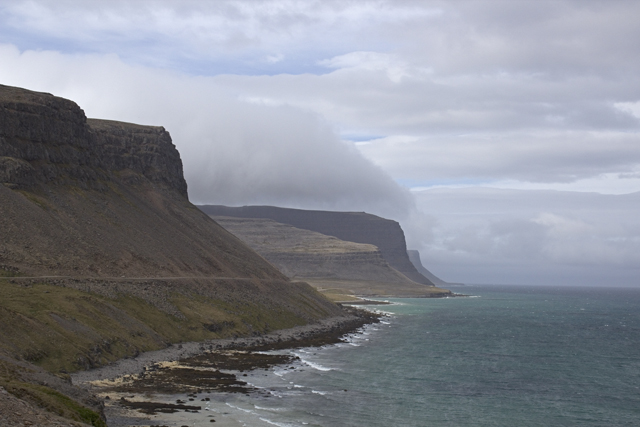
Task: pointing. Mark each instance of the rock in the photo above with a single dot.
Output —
(358, 227)
(48, 140)
(307, 255)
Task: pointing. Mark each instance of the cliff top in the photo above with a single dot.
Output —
(111, 125)
(24, 96)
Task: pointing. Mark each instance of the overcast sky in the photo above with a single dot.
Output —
(503, 135)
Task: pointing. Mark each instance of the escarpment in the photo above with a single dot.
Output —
(307, 255)
(101, 253)
(102, 199)
(358, 227)
(48, 140)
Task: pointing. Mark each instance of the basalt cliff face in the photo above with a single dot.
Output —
(337, 266)
(46, 139)
(307, 255)
(102, 255)
(358, 227)
(102, 199)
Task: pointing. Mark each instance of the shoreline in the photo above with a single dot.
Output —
(137, 369)
(326, 331)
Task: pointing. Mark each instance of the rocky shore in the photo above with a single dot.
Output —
(194, 367)
(325, 331)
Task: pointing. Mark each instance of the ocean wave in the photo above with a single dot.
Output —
(275, 423)
(261, 408)
(248, 411)
(315, 365)
(310, 363)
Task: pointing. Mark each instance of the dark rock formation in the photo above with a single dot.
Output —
(101, 198)
(48, 140)
(358, 227)
(414, 257)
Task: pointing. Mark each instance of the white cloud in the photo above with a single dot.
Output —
(483, 235)
(632, 108)
(394, 68)
(544, 157)
(234, 152)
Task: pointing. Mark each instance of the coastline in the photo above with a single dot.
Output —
(124, 402)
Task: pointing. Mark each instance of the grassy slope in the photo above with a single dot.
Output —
(64, 330)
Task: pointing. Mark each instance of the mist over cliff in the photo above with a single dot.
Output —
(95, 207)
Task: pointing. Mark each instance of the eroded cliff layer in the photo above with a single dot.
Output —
(358, 227)
(307, 255)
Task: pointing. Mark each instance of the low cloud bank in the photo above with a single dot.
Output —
(235, 151)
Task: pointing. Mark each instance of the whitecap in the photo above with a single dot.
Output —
(312, 364)
(277, 423)
(249, 411)
(270, 409)
(316, 366)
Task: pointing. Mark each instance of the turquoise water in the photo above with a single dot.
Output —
(510, 356)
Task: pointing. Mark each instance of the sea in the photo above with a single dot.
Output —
(502, 356)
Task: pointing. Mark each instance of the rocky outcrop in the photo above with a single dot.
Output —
(358, 227)
(46, 140)
(414, 257)
(307, 255)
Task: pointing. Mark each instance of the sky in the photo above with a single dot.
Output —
(504, 136)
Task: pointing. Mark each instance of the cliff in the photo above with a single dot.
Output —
(358, 227)
(307, 255)
(102, 199)
(336, 266)
(102, 256)
(48, 140)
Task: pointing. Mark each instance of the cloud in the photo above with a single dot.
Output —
(234, 152)
(205, 36)
(548, 157)
(526, 236)
(541, 92)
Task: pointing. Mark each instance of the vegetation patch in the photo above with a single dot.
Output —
(9, 271)
(46, 397)
(64, 329)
